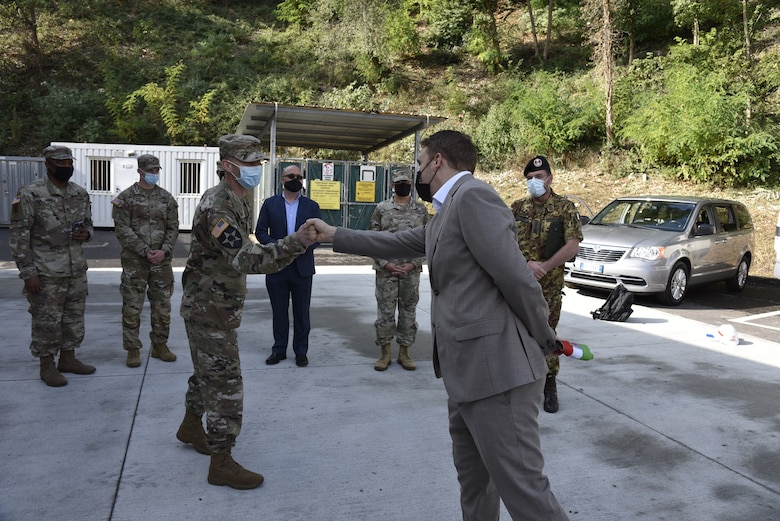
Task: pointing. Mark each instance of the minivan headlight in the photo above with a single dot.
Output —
(648, 252)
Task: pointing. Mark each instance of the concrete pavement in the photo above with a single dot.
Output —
(664, 423)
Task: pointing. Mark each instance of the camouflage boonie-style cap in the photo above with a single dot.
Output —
(146, 161)
(244, 148)
(57, 152)
(402, 174)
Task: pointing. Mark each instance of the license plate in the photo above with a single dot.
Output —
(591, 266)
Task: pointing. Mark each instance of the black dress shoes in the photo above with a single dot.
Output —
(301, 360)
(275, 358)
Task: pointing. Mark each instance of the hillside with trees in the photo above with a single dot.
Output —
(680, 90)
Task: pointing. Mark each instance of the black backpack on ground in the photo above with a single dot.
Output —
(617, 307)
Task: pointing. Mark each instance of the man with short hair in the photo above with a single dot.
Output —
(397, 279)
(549, 232)
(146, 223)
(50, 219)
(489, 325)
(214, 283)
(280, 216)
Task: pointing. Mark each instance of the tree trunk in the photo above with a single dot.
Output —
(549, 30)
(606, 56)
(533, 28)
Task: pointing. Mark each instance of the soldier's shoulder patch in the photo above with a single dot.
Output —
(227, 234)
(15, 201)
(117, 202)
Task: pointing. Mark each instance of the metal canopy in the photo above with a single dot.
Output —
(337, 129)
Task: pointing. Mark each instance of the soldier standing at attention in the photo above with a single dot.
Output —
(146, 223)
(50, 219)
(549, 232)
(397, 280)
(214, 283)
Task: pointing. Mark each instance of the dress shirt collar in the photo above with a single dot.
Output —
(441, 193)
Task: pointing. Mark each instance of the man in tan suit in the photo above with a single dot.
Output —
(490, 331)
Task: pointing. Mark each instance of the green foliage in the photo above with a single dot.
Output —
(181, 125)
(692, 119)
(294, 11)
(546, 114)
(70, 114)
(448, 22)
(183, 71)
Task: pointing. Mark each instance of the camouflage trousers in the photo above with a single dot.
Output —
(216, 387)
(156, 280)
(57, 313)
(554, 297)
(391, 293)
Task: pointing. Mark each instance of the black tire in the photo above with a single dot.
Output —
(738, 281)
(676, 286)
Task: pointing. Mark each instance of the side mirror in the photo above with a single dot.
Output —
(705, 229)
(584, 219)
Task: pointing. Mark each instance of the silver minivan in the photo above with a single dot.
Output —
(664, 245)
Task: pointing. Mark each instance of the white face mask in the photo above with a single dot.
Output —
(536, 187)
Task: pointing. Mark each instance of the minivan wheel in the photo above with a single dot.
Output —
(738, 281)
(676, 287)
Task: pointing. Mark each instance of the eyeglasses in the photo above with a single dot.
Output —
(291, 177)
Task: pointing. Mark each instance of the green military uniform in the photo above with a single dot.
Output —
(214, 283)
(542, 229)
(392, 291)
(145, 220)
(42, 216)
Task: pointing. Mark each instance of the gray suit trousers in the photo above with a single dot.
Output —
(497, 454)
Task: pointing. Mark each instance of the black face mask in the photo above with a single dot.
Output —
(293, 185)
(402, 189)
(424, 189)
(63, 173)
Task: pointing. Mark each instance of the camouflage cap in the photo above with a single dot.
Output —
(402, 174)
(57, 152)
(242, 147)
(147, 161)
(536, 164)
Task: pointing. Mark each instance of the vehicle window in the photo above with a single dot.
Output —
(703, 217)
(743, 217)
(664, 215)
(615, 212)
(726, 219)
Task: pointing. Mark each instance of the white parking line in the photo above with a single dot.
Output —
(750, 318)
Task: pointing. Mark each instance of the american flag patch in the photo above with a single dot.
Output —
(218, 228)
(16, 200)
(116, 202)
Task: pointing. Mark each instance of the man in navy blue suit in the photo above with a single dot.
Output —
(279, 214)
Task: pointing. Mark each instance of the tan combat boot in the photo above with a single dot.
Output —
(223, 470)
(191, 431)
(384, 358)
(49, 373)
(133, 358)
(163, 353)
(405, 360)
(69, 364)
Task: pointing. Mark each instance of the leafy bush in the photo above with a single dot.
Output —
(692, 120)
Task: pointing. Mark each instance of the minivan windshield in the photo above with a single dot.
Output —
(662, 215)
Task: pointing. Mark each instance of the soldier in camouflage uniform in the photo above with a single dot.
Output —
(548, 233)
(397, 280)
(146, 223)
(50, 219)
(214, 283)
